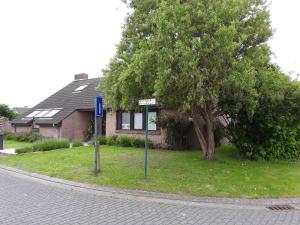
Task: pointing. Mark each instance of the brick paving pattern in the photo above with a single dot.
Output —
(24, 201)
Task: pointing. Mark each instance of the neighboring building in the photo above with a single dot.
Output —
(69, 113)
(5, 125)
(21, 110)
(66, 114)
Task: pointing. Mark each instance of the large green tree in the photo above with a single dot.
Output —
(191, 54)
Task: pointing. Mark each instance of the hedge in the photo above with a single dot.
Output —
(45, 146)
(50, 145)
(124, 141)
(77, 143)
(23, 137)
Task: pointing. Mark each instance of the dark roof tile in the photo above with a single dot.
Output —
(68, 100)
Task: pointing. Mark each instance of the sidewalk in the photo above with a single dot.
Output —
(8, 151)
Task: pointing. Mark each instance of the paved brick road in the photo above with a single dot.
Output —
(28, 201)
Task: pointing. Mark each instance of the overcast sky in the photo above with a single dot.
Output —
(43, 43)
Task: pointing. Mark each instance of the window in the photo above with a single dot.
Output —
(33, 113)
(125, 121)
(51, 113)
(81, 87)
(43, 113)
(138, 121)
(152, 121)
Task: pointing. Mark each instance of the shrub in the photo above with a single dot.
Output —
(137, 142)
(77, 143)
(176, 129)
(50, 145)
(24, 150)
(111, 140)
(89, 132)
(102, 140)
(273, 130)
(128, 141)
(124, 141)
(23, 137)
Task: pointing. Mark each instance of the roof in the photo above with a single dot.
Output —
(21, 110)
(78, 95)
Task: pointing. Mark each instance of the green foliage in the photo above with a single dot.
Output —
(24, 150)
(138, 142)
(272, 132)
(89, 132)
(183, 53)
(111, 140)
(23, 136)
(50, 145)
(8, 113)
(102, 140)
(77, 143)
(195, 55)
(176, 128)
(219, 133)
(124, 141)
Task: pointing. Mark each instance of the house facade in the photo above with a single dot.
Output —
(69, 114)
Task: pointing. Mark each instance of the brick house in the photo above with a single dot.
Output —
(65, 114)
(69, 112)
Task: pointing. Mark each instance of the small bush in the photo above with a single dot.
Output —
(102, 140)
(137, 142)
(23, 137)
(124, 141)
(77, 143)
(111, 140)
(24, 150)
(50, 145)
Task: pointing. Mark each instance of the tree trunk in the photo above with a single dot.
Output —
(206, 139)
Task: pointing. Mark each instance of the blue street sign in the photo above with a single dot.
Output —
(99, 106)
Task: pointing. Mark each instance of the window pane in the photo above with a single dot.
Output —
(126, 121)
(33, 114)
(52, 113)
(41, 114)
(81, 87)
(138, 121)
(152, 121)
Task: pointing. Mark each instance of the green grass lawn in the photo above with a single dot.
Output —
(15, 144)
(181, 172)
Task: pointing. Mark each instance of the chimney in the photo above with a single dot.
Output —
(81, 76)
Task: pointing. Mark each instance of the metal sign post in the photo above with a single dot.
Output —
(146, 103)
(98, 118)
